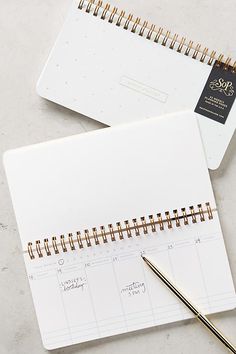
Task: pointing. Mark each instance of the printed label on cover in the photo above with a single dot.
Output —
(218, 95)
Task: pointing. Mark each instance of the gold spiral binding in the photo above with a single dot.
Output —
(127, 229)
(79, 239)
(144, 225)
(150, 32)
(189, 47)
(160, 221)
(158, 35)
(127, 22)
(46, 247)
(112, 234)
(196, 51)
(136, 227)
(181, 45)
(204, 54)
(104, 13)
(87, 238)
(168, 219)
(38, 249)
(120, 232)
(71, 241)
(97, 8)
(112, 15)
(135, 25)
(174, 40)
(142, 29)
(118, 17)
(153, 226)
(95, 236)
(176, 216)
(165, 39)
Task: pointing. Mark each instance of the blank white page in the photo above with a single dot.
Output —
(109, 176)
(116, 76)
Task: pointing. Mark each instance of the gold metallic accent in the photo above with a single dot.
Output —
(54, 245)
(204, 54)
(201, 213)
(135, 25)
(46, 247)
(112, 15)
(234, 67)
(97, 8)
(142, 29)
(87, 238)
(38, 249)
(71, 241)
(209, 211)
(104, 13)
(201, 317)
(189, 47)
(174, 40)
(30, 250)
(165, 39)
(150, 32)
(212, 57)
(227, 63)
(120, 18)
(120, 232)
(158, 35)
(185, 217)
(127, 229)
(160, 221)
(63, 244)
(193, 214)
(127, 22)
(103, 233)
(90, 3)
(176, 216)
(182, 43)
(79, 239)
(136, 227)
(152, 222)
(168, 219)
(219, 60)
(111, 230)
(196, 51)
(81, 4)
(144, 225)
(95, 236)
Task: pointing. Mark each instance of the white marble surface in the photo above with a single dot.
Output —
(28, 29)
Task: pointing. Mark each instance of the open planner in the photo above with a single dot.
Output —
(87, 207)
(116, 68)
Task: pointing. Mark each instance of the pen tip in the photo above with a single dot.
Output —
(143, 257)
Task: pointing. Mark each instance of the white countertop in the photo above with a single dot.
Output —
(28, 30)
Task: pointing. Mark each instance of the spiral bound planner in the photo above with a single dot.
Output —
(87, 206)
(115, 68)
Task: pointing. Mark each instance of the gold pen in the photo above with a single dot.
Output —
(202, 318)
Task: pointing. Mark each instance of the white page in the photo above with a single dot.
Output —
(106, 176)
(115, 76)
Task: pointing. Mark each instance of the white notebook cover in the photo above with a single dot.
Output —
(115, 76)
(109, 176)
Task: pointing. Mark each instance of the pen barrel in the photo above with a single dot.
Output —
(216, 332)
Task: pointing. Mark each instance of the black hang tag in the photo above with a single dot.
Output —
(218, 95)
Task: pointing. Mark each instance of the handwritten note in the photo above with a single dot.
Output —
(133, 289)
(74, 283)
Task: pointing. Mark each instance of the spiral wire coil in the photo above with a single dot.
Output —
(158, 35)
(120, 231)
